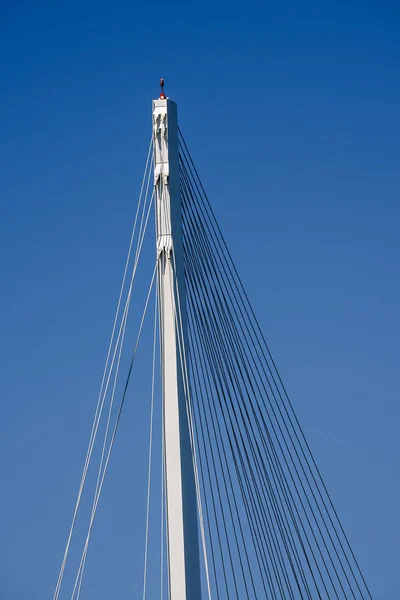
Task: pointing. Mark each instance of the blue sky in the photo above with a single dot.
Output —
(291, 113)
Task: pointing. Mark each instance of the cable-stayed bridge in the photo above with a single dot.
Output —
(244, 512)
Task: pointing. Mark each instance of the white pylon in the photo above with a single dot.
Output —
(182, 527)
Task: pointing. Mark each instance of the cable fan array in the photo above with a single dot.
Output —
(108, 412)
(268, 528)
(272, 530)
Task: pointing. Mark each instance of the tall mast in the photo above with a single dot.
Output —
(182, 528)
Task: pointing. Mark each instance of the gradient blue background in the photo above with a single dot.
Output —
(291, 110)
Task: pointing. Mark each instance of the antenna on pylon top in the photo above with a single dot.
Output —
(162, 95)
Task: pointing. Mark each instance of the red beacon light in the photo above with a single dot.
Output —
(162, 95)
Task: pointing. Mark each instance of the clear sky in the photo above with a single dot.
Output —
(291, 110)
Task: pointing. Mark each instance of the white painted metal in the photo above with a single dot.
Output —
(182, 528)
